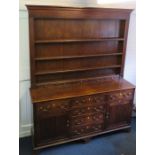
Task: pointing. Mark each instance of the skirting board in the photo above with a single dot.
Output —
(25, 131)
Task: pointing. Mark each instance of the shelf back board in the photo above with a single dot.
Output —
(68, 43)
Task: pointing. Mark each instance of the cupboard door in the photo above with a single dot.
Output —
(51, 128)
(118, 113)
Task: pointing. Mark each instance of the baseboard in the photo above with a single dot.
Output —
(24, 134)
(25, 130)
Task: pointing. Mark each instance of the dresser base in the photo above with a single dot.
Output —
(85, 138)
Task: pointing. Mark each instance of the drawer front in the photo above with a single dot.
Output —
(121, 95)
(87, 110)
(85, 101)
(52, 108)
(87, 119)
(88, 129)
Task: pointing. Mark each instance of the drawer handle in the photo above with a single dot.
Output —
(82, 130)
(83, 100)
(107, 115)
(45, 110)
(53, 105)
(41, 108)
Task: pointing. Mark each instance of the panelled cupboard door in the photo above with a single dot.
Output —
(50, 128)
(119, 109)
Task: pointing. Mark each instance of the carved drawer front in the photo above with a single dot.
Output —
(120, 102)
(87, 119)
(88, 109)
(88, 101)
(87, 130)
(56, 107)
(125, 95)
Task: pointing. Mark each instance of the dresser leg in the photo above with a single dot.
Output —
(86, 140)
(35, 152)
(128, 130)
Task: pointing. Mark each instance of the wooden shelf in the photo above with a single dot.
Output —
(76, 57)
(78, 40)
(84, 69)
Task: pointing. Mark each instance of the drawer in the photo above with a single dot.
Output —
(121, 95)
(120, 102)
(90, 100)
(89, 109)
(56, 107)
(87, 130)
(87, 119)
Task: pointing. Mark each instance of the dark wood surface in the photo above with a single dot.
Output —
(77, 62)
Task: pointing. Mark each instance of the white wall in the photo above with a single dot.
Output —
(130, 62)
(130, 4)
(24, 68)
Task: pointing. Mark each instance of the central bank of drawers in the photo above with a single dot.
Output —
(87, 114)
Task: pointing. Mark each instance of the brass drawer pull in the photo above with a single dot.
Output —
(53, 105)
(107, 115)
(41, 108)
(87, 127)
(45, 110)
(120, 94)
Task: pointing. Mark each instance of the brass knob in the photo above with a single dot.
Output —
(120, 94)
(45, 110)
(48, 106)
(88, 117)
(83, 100)
(107, 115)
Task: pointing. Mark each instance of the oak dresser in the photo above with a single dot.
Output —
(77, 60)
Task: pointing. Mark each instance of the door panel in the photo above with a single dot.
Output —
(118, 113)
(50, 121)
(52, 128)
